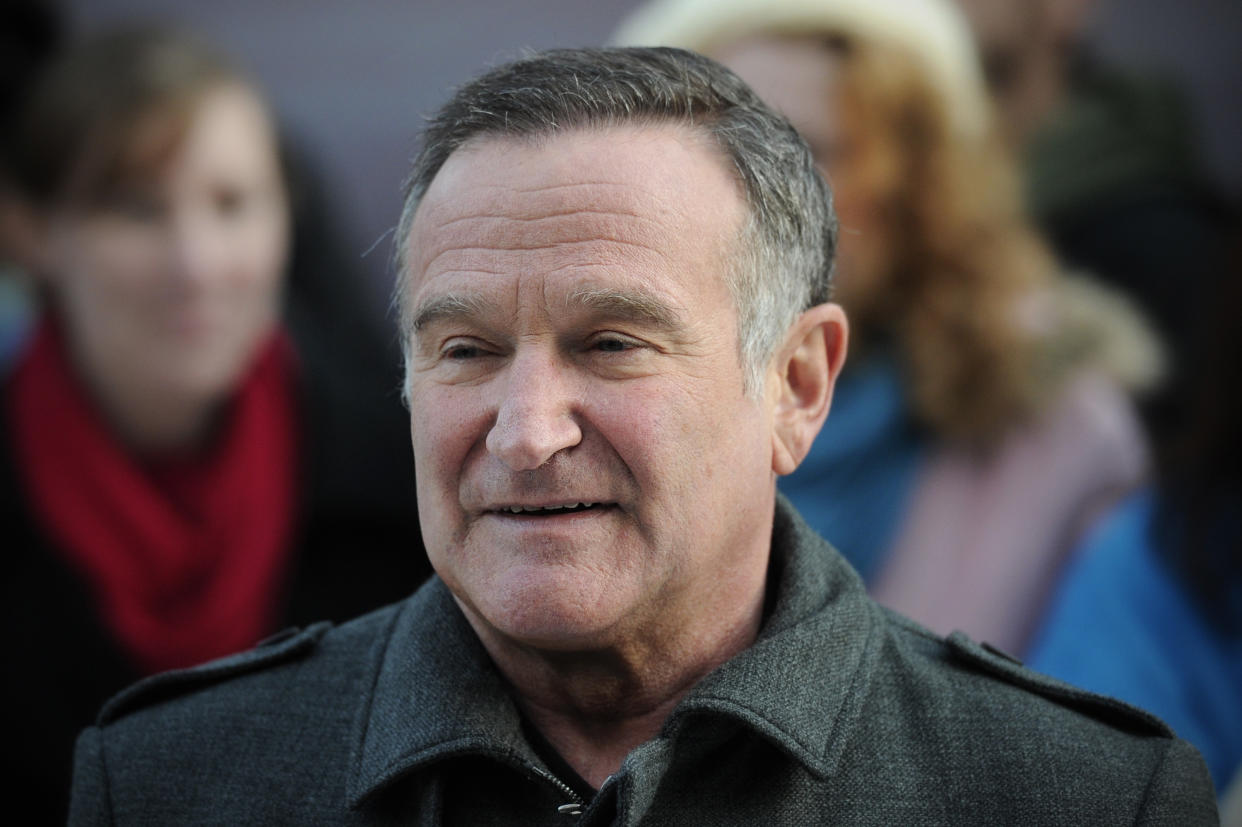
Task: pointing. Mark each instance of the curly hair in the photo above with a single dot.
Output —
(967, 299)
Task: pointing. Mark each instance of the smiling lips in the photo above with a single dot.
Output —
(548, 510)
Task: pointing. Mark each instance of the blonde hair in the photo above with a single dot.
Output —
(965, 262)
(985, 324)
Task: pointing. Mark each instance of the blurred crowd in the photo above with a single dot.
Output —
(1033, 440)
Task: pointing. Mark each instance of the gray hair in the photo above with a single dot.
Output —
(784, 260)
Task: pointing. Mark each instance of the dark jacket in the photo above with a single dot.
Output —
(841, 712)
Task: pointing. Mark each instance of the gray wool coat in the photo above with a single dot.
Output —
(840, 713)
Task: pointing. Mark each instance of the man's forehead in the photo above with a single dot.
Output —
(634, 165)
(652, 186)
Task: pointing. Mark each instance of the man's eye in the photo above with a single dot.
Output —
(463, 348)
(463, 352)
(613, 344)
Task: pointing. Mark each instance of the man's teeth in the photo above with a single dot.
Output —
(523, 509)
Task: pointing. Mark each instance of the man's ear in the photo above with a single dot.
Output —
(801, 378)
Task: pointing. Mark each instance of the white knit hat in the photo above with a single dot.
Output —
(932, 31)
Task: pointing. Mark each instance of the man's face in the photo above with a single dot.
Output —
(589, 466)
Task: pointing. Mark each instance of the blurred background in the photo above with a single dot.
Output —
(352, 81)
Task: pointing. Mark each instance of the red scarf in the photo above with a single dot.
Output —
(186, 559)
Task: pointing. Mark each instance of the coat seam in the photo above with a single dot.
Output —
(1151, 782)
(854, 697)
(107, 780)
(356, 794)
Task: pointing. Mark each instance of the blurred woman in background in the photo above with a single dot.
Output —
(979, 424)
(184, 474)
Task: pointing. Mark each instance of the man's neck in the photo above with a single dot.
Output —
(595, 707)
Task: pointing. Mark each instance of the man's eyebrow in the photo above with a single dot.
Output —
(436, 308)
(631, 305)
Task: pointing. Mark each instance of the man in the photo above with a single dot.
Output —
(613, 280)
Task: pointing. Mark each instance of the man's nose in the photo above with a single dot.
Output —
(535, 418)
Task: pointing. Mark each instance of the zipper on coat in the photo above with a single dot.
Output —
(575, 804)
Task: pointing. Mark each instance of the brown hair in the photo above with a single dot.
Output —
(967, 265)
(115, 107)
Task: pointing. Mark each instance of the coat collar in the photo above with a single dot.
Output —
(436, 696)
(801, 685)
(803, 682)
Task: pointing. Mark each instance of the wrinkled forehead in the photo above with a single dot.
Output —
(653, 188)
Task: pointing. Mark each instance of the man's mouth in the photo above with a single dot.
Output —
(549, 510)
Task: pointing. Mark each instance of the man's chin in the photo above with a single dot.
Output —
(557, 613)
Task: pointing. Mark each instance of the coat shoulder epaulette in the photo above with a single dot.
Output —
(1008, 668)
(283, 647)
